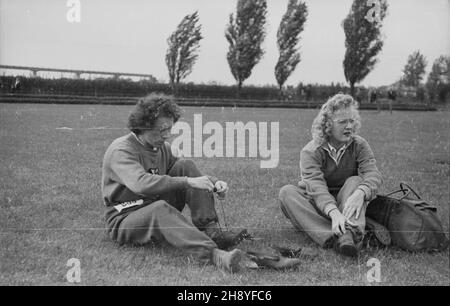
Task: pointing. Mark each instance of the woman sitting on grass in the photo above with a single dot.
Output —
(339, 177)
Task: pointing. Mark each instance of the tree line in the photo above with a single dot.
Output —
(245, 33)
(128, 88)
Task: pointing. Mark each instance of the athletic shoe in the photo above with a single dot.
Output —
(225, 240)
(346, 246)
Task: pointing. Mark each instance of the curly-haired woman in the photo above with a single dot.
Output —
(145, 187)
(339, 177)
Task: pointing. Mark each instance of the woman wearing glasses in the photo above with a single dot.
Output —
(339, 177)
(145, 187)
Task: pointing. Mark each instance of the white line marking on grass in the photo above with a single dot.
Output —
(9, 230)
(89, 128)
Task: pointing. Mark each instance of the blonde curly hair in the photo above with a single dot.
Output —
(321, 126)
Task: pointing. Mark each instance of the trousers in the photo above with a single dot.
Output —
(162, 220)
(300, 209)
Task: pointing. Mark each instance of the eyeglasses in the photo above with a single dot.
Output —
(163, 130)
(345, 122)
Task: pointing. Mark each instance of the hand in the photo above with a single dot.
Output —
(201, 182)
(354, 204)
(337, 222)
(221, 188)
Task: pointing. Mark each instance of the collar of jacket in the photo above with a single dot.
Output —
(146, 146)
(324, 144)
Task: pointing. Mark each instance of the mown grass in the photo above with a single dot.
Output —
(51, 208)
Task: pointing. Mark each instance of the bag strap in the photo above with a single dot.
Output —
(403, 185)
(406, 193)
(406, 189)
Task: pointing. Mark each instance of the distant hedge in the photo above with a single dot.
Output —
(114, 100)
(95, 87)
(129, 88)
(101, 87)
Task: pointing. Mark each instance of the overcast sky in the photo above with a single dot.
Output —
(130, 36)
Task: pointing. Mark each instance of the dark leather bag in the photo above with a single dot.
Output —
(412, 222)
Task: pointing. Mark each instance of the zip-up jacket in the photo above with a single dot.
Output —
(321, 174)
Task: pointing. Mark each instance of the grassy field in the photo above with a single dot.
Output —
(52, 209)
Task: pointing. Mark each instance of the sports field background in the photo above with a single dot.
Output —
(51, 208)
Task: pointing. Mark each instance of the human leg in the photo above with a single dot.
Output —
(200, 202)
(301, 211)
(350, 185)
(202, 206)
(350, 241)
(160, 221)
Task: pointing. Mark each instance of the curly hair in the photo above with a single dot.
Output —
(321, 126)
(150, 108)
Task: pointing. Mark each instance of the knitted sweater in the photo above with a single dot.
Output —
(132, 171)
(321, 175)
